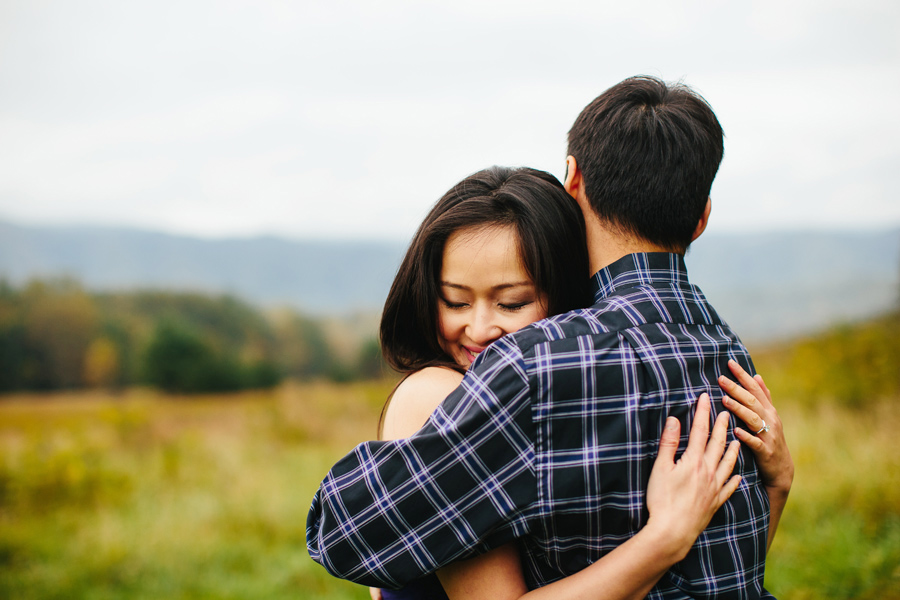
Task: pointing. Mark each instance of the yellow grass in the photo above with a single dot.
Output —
(138, 495)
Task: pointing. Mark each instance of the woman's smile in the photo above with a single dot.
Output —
(486, 292)
(472, 352)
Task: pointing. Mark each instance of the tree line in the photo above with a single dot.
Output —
(56, 335)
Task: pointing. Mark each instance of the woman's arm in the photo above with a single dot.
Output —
(411, 404)
(682, 497)
(752, 403)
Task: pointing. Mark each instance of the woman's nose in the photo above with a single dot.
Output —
(483, 329)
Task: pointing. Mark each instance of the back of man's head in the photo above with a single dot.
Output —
(648, 153)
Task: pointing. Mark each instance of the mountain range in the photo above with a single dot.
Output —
(768, 285)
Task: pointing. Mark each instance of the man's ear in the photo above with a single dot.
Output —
(574, 182)
(704, 220)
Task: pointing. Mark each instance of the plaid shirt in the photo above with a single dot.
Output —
(550, 440)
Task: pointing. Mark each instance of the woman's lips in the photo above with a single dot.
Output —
(472, 352)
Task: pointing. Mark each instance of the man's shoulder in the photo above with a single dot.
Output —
(603, 317)
(616, 311)
(627, 309)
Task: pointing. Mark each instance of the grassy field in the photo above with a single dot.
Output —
(142, 496)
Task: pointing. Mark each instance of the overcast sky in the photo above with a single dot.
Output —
(350, 118)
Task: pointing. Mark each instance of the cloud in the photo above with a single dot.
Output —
(350, 118)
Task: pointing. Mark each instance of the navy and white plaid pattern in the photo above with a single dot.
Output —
(550, 440)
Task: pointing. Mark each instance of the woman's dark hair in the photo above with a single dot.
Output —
(552, 245)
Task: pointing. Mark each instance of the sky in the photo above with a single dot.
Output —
(349, 119)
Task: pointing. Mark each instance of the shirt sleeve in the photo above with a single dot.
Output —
(391, 512)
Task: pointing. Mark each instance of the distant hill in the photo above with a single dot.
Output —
(315, 276)
(776, 285)
(765, 285)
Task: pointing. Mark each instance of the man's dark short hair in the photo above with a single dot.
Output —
(648, 152)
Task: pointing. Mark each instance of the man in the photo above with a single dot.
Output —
(553, 433)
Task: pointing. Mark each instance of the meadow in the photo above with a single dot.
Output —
(140, 495)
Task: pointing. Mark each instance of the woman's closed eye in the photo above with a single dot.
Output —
(451, 304)
(514, 306)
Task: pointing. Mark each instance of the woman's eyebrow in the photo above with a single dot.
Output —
(502, 286)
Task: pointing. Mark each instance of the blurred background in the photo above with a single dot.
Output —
(203, 204)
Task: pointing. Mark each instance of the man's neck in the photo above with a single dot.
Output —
(606, 245)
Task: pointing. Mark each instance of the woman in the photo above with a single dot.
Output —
(502, 249)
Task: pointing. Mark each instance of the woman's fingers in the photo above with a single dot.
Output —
(753, 420)
(728, 489)
(668, 443)
(741, 394)
(759, 379)
(723, 464)
(750, 401)
(699, 429)
(726, 464)
(729, 483)
(683, 496)
(756, 444)
(750, 384)
(716, 444)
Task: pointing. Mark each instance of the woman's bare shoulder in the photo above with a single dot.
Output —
(432, 376)
(426, 388)
(416, 398)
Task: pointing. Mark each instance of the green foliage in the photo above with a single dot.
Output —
(371, 364)
(45, 330)
(304, 350)
(853, 365)
(260, 375)
(55, 335)
(840, 533)
(180, 360)
(59, 320)
(67, 474)
(13, 357)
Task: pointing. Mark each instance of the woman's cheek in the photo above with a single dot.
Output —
(447, 325)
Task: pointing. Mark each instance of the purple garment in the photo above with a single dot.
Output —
(426, 588)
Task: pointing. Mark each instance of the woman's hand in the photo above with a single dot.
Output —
(752, 404)
(682, 496)
(375, 593)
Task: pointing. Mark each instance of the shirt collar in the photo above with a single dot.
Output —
(643, 268)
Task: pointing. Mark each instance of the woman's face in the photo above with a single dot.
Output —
(485, 291)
